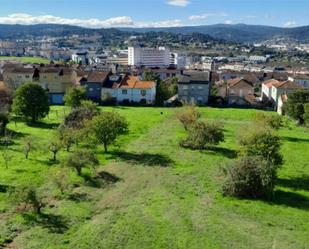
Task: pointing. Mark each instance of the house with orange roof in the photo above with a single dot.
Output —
(129, 89)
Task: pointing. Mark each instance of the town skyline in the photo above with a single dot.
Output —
(164, 13)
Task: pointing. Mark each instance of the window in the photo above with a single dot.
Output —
(192, 87)
(27, 76)
(143, 92)
(90, 89)
(124, 92)
(185, 88)
(200, 88)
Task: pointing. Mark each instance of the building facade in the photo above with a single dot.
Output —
(194, 87)
(148, 57)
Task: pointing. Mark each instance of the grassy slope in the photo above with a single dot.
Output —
(25, 59)
(166, 196)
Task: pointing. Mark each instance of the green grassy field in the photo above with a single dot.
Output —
(25, 59)
(156, 194)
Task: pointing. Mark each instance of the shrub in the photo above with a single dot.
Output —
(273, 121)
(260, 141)
(250, 176)
(202, 134)
(31, 101)
(77, 117)
(188, 116)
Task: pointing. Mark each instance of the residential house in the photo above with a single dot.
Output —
(282, 99)
(273, 90)
(56, 80)
(129, 89)
(266, 89)
(281, 88)
(194, 87)
(238, 91)
(93, 82)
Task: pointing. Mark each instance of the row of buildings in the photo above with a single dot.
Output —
(194, 86)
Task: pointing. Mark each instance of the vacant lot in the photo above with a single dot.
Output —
(25, 59)
(150, 193)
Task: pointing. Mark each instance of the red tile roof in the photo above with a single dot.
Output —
(234, 82)
(130, 81)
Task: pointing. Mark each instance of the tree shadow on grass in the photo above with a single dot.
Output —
(295, 139)
(101, 179)
(145, 159)
(54, 223)
(4, 188)
(298, 183)
(48, 162)
(42, 125)
(221, 151)
(79, 197)
(290, 199)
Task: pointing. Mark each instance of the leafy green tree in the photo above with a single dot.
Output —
(294, 106)
(31, 101)
(106, 127)
(75, 96)
(68, 137)
(4, 120)
(7, 156)
(55, 146)
(28, 145)
(260, 141)
(203, 134)
(81, 159)
(28, 195)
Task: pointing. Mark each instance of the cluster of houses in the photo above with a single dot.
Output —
(233, 88)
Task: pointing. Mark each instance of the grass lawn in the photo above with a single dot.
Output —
(150, 193)
(26, 59)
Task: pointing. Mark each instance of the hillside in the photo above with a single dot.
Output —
(151, 193)
(233, 33)
(238, 32)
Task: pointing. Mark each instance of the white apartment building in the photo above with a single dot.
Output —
(149, 57)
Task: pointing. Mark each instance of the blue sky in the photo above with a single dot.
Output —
(155, 13)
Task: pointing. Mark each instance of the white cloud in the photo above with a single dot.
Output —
(21, 18)
(228, 22)
(289, 24)
(121, 21)
(179, 3)
(167, 23)
(206, 15)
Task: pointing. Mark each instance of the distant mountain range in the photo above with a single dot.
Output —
(234, 33)
(238, 32)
